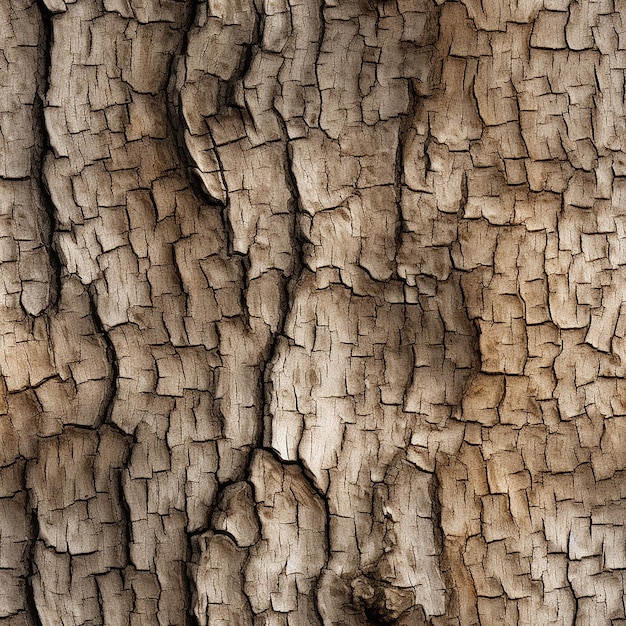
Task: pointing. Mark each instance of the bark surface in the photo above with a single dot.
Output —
(312, 312)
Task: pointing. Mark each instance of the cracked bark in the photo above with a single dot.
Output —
(310, 312)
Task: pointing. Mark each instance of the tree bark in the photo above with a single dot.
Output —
(312, 312)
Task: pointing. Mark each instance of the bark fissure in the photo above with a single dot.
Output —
(33, 613)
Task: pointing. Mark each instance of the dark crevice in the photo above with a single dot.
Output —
(322, 35)
(188, 590)
(107, 405)
(406, 124)
(39, 150)
(32, 567)
(14, 179)
(574, 596)
(298, 237)
(181, 283)
(434, 489)
(42, 148)
(46, 49)
(289, 285)
(265, 382)
(126, 512)
(105, 418)
(175, 116)
(317, 587)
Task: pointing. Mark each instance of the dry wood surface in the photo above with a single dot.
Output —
(312, 312)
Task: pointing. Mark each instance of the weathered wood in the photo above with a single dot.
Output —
(312, 312)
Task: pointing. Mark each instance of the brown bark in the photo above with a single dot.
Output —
(312, 312)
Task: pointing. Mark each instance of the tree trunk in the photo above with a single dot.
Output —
(312, 312)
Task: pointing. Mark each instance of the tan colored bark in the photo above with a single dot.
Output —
(312, 312)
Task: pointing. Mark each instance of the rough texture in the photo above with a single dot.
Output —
(312, 312)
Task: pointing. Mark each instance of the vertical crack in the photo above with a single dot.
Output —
(107, 406)
(398, 184)
(322, 35)
(175, 116)
(41, 149)
(31, 603)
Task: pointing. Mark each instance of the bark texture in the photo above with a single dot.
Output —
(312, 312)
